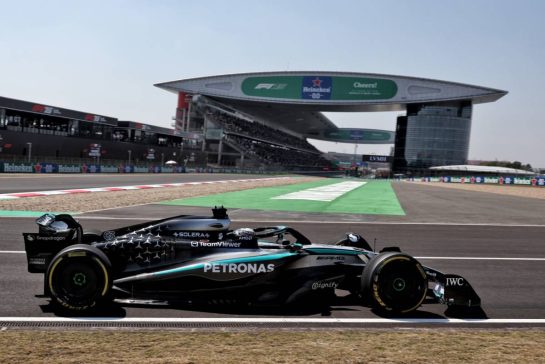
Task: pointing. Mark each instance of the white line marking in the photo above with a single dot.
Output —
(482, 258)
(292, 221)
(428, 258)
(228, 320)
(324, 193)
(16, 195)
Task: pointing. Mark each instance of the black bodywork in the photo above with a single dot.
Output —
(200, 259)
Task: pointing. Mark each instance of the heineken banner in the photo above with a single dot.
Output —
(18, 167)
(335, 88)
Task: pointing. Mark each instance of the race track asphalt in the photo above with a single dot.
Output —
(454, 229)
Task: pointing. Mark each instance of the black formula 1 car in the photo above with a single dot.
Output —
(196, 259)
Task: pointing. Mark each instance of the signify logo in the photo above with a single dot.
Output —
(238, 268)
(270, 86)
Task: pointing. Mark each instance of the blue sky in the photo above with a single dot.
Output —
(105, 56)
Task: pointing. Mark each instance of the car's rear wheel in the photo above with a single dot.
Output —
(79, 279)
(394, 282)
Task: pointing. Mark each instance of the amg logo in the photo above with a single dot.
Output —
(238, 268)
(455, 281)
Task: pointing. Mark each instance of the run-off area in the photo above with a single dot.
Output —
(324, 196)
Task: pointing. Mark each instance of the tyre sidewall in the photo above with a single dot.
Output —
(371, 292)
(66, 259)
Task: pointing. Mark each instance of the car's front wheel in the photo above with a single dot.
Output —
(394, 282)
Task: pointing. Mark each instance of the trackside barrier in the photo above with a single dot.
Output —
(502, 180)
(46, 167)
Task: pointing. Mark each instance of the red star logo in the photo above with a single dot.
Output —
(316, 82)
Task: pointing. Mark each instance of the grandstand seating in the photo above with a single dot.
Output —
(272, 147)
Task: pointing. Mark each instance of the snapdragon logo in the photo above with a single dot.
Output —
(238, 268)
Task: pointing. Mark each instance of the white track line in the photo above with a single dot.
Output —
(427, 258)
(16, 195)
(228, 320)
(482, 258)
(324, 193)
(311, 221)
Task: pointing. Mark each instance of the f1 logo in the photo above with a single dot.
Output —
(455, 281)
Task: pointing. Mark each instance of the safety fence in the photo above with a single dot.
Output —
(538, 181)
(45, 167)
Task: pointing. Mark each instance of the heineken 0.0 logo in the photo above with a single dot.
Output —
(319, 87)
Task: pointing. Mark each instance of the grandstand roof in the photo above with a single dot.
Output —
(296, 100)
(483, 169)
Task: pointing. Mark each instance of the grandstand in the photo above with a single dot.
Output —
(257, 145)
(32, 131)
(265, 118)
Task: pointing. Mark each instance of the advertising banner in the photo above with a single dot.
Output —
(69, 168)
(18, 168)
(541, 181)
(46, 168)
(376, 158)
(316, 88)
(90, 168)
(108, 169)
(214, 134)
(94, 150)
(522, 181)
(362, 135)
(320, 87)
(139, 169)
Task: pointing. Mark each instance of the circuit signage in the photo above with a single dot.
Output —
(319, 87)
(376, 158)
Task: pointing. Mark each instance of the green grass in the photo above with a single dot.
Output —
(375, 197)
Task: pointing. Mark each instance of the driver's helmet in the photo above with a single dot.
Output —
(57, 228)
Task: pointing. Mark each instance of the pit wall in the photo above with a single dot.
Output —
(503, 180)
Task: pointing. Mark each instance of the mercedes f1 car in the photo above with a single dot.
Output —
(200, 259)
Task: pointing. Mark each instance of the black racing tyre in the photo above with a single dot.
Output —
(394, 282)
(79, 278)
